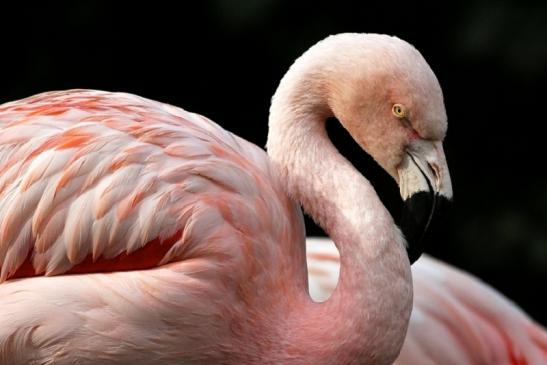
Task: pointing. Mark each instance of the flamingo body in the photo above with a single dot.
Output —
(94, 181)
(456, 318)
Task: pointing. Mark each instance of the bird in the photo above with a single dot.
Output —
(456, 318)
(136, 232)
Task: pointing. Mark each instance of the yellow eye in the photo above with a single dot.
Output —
(399, 110)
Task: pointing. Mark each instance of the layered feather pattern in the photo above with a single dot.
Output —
(89, 178)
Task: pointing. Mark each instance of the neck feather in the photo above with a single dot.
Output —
(365, 319)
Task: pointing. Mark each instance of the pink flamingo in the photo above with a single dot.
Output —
(456, 318)
(182, 241)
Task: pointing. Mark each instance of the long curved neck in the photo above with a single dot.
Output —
(365, 319)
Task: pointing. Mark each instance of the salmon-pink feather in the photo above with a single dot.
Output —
(97, 166)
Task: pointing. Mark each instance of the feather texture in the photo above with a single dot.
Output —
(456, 319)
(90, 176)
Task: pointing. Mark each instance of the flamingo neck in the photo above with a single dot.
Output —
(365, 319)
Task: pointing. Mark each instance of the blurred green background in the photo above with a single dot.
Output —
(224, 58)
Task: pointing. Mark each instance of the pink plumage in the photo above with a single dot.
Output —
(95, 181)
(101, 182)
(456, 318)
(134, 232)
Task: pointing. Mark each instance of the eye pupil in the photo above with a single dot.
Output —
(399, 111)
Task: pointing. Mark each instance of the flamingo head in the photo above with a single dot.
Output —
(388, 98)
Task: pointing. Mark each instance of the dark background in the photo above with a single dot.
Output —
(224, 58)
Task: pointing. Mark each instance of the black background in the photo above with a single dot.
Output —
(224, 58)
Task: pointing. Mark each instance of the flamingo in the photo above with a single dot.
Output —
(135, 232)
(456, 318)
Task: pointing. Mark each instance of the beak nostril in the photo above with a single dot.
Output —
(436, 172)
(432, 168)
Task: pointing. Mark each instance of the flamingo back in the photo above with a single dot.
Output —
(95, 181)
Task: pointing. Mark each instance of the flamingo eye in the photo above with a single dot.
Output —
(399, 111)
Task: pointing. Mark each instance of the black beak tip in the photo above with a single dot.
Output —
(421, 211)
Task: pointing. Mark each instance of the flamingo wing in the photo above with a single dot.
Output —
(94, 181)
(459, 319)
(456, 318)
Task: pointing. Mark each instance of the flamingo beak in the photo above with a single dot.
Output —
(425, 187)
